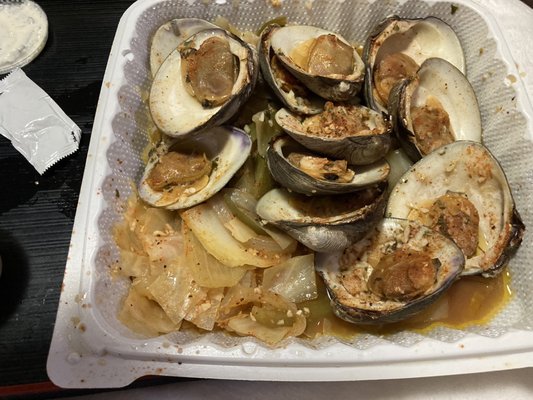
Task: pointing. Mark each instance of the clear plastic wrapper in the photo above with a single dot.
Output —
(37, 127)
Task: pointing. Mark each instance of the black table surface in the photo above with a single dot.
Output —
(37, 212)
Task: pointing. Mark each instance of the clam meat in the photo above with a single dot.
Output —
(292, 93)
(170, 35)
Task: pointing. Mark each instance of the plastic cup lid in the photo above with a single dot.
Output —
(23, 33)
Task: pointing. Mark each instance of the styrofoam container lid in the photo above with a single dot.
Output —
(23, 33)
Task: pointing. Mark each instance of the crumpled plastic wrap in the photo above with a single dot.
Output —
(37, 127)
(504, 125)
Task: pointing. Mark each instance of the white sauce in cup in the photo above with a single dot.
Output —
(23, 33)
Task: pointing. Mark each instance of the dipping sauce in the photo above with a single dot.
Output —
(23, 33)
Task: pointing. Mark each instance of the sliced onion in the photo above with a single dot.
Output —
(260, 313)
(206, 270)
(133, 264)
(216, 239)
(176, 292)
(145, 316)
(294, 279)
(204, 314)
(267, 244)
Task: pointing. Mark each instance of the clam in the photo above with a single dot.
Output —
(183, 173)
(322, 60)
(354, 133)
(302, 171)
(202, 83)
(324, 223)
(397, 48)
(461, 190)
(435, 107)
(395, 271)
(294, 94)
(170, 35)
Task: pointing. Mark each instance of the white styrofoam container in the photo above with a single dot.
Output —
(87, 351)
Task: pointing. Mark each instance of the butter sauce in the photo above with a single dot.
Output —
(471, 300)
(23, 33)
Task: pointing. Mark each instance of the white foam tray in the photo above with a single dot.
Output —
(84, 355)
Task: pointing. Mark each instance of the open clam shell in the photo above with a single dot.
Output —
(365, 144)
(324, 223)
(294, 46)
(433, 108)
(177, 112)
(415, 40)
(394, 272)
(318, 175)
(225, 148)
(461, 189)
(286, 87)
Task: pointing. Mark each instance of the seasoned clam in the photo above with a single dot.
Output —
(170, 35)
(324, 223)
(180, 174)
(202, 83)
(435, 107)
(397, 48)
(354, 133)
(395, 271)
(323, 61)
(285, 86)
(302, 171)
(460, 190)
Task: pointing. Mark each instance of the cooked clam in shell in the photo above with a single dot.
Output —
(323, 61)
(181, 174)
(461, 191)
(354, 133)
(435, 107)
(302, 171)
(292, 93)
(202, 83)
(397, 48)
(395, 271)
(324, 223)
